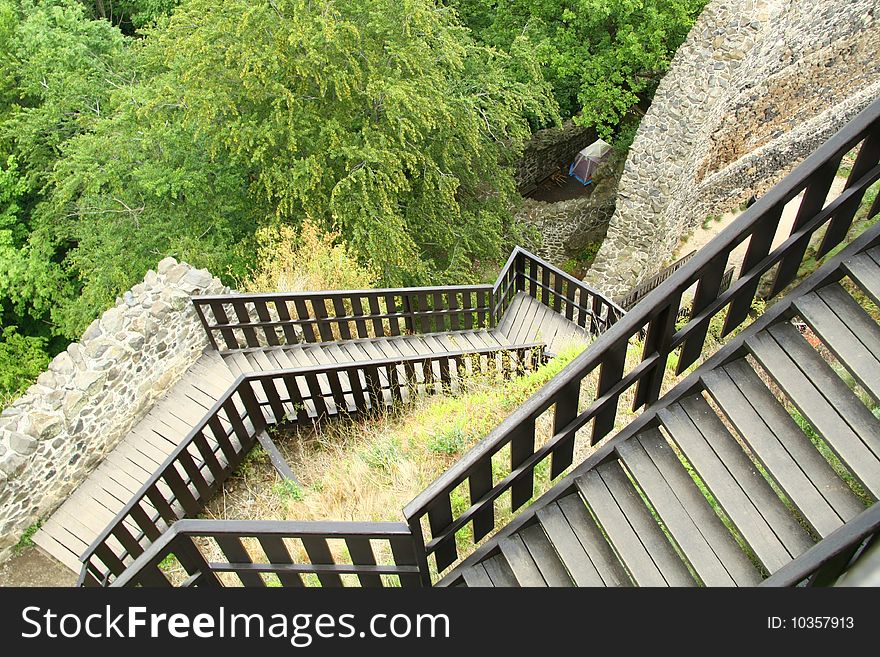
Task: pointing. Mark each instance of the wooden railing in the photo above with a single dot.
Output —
(260, 553)
(582, 413)
(248, 321)
(641, 290)
(196, 468)
(254, 321)
(575, 300)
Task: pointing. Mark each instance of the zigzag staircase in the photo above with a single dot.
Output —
(761, 466)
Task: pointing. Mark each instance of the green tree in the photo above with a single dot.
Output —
(380, 119)
(602, 57)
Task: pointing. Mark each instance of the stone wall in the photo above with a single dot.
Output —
(94, 392)
(548, 151)
(757, 85)
(566, 228)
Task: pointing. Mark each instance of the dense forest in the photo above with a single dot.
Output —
(132, 130)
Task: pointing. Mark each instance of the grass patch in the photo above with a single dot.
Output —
(27, 538)
(367, 467)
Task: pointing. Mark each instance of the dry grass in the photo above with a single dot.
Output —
(308, 260)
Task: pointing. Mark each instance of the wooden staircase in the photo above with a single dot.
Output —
(723, 487)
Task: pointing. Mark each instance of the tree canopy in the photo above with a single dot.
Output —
(602, 57)
(140, 129)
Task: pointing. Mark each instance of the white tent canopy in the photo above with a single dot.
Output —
(588, 160)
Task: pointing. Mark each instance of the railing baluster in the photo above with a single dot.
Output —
(403, 551)
(262, 309)
(235, 553)
(391, 309)
(813, 201)
(439, 317)
(242, 313)
(454, 315)
(759, 247)
(220, 317)
(657, 341)
(357, 310)
(208, 456)
(302, 312)
(342, 324)
(467, 315)
(378, 327)
(319, 554)
(482, 309)
(564, 413)
(324, 327)
(522, 446)
(868, 157)
(707, 291)
(480, 483)
(439, 518)
(290, 336)
(362, 555)
(610, 372)
(278, 555)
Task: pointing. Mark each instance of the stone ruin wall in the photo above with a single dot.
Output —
(95, 391)
(757, 85)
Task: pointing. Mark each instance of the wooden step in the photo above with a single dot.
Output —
(847, 330)
(806, 478)
(545, 556)
(865, 272)
(824, 416)
(589, 559)
(634, 535)
(756, 511)
(499, 572)
(706, 543)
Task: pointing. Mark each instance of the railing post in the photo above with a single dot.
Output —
(418, 540)
(519, 268)
(408, 314)
(204, 320)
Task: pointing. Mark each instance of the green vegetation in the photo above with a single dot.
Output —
(216, 132)
(603, 59)
(26, 540)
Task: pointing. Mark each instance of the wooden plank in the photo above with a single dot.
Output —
(573, 555)
(545, 556)
(520, 561)
(607, 564)
(700, 535)
(778, 516)
(812, 404)
(858, 353)
(477, 577)
(645, 526)
(866, 274)
(743, 499)
(823, 377)
(616, 526)
(499, 572)
(800, 471)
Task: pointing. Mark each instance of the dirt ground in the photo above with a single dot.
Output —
(32, 567)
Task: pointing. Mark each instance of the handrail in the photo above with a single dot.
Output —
(249, 566)
(658, 312)
(281, 318)
(825, 554)
(528, 273)
(218, 443)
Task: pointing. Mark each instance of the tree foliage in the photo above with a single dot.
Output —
(602, 57)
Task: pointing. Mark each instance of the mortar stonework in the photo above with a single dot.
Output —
(94, 392)
(756, 86)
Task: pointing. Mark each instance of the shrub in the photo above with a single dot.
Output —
(288, 261)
